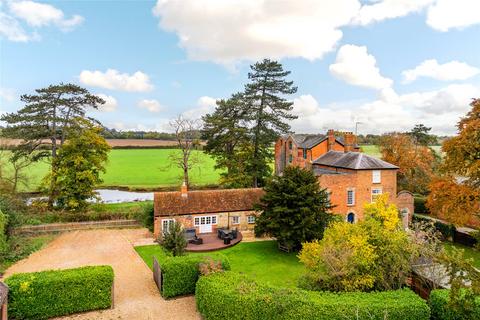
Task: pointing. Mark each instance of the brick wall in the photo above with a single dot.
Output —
(361, 182)
(187, 221)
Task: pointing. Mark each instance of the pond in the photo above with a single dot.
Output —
(119, 196)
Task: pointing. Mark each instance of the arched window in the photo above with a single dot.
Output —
(351, 217)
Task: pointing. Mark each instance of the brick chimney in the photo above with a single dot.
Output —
(184, 190)
(331, 139)
(349, 139)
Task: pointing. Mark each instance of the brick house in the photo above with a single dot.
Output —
(351, 177)
(206, 210)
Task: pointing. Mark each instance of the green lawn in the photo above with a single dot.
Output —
(141, 169)
(374, 150)
(261, 260)
(469, 253)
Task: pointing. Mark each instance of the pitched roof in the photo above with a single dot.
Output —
(352, 160)
(206, 201)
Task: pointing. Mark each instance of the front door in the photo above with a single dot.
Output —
(205, 223)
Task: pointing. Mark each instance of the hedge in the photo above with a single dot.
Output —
(180, 274)
(438, 301)
(233, 296)
(46, 294)
(419, 205)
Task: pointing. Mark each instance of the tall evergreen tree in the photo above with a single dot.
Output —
(294, 208)
(43, 123)
(227, 140)
(268, 112)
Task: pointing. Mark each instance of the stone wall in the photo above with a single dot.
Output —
(70, 226)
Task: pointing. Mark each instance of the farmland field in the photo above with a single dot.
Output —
(140, 169)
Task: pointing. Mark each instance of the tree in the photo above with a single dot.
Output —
(174, 240)
(187, 134)
(45, 120)
(227, 141)
(462, 152)
(268, 112)
(421, 136)
(416, 163)
(79, 163)
(374, 254)
(294, 208)
(455, 202)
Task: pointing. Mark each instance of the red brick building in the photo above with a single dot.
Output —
(351, 177)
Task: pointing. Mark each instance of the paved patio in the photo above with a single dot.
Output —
(212, 243)
(136, 296)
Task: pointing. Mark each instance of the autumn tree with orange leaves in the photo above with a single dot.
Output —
(416, 162)
(455, 196)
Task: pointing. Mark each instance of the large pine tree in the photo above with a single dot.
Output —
(268, 112)
(43, 123)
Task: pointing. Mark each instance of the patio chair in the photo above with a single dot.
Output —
(190, 234)
(234, 233)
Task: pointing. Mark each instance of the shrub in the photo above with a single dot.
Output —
(419, 205)
(180, 274)
(46, 294)
(146, 216)
(174, 239)
(233, 296)
(442, 311)
(447, 230)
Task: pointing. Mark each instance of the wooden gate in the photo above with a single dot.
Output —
(157, 274)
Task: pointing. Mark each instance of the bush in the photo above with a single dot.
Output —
(447, 230)
(180, 274)
(146, 216)
(233, 296)
(174, 239)
(419, 205)
(46, 294)
(441, 311)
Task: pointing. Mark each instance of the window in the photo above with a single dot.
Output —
(235, 220)
(351, 217)
(251, 219)
(290, 158)
(166, 223)
(304, 153)
(376, 192)
(204, 220)
(290, 145)
(350, 197)
(376, 176)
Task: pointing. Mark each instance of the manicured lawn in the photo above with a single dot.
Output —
(468, 252)
(260, 260)
(140, 169)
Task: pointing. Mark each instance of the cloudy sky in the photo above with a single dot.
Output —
(388, 64)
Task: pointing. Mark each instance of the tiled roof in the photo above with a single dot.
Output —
(206, 201)
(308, 141)
(320, 171)
(352, 160)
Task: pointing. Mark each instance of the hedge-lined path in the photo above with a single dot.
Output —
(136, 296)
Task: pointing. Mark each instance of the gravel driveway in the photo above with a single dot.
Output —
(136, 296)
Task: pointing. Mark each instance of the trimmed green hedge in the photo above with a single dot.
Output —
(47, 294)
(438, 301)
(233, 296)
(180, 274)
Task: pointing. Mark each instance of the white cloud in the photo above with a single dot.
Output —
(453, 70)
(150, 105)
(389, 9)
(449, 14)
(226, 32)
(114, 80)
(40, 14)
(110, 103)
(7, 94)
(205, 105)
(355, 66)
(439, 109)
(11, 29)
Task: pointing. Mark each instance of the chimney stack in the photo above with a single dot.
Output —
(184, 190)
(331, 139)
(349, 138)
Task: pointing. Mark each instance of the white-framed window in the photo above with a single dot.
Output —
(350, 197)
(376, 176)
(251, 219)
(235, 220)
(166, 223)
(204, 220)
(376, 192)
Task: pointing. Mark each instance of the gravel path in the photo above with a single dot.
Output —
(136, 296)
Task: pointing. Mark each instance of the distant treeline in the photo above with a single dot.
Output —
(374, 139)
(117, 134)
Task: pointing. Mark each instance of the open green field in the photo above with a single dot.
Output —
(469, 253)
(140, 169)
(261, 260)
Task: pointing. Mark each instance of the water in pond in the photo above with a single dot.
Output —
(118, 196)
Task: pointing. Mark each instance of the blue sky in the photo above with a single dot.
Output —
(387, 64)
